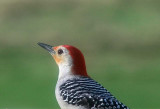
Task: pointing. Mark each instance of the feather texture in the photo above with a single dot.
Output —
(86, 92)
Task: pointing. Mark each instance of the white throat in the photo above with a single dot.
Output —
(64, 70)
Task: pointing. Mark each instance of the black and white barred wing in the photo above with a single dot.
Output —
(88, 93)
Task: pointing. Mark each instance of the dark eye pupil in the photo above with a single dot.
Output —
(60, 51)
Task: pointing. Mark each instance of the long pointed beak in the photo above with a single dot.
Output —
(49, 48)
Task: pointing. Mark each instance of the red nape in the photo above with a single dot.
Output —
(79, 66)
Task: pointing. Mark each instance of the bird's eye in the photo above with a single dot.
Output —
(60, 51)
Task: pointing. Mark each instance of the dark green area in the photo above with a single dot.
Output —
(120, 41)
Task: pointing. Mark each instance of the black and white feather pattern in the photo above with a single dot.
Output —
(86, 92)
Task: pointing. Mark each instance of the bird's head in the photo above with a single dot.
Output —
(69, 59)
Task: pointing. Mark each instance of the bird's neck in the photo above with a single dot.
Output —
(69, 69)
(79, 69)
(64, 70)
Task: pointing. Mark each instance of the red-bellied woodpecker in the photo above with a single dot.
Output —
(75, 89)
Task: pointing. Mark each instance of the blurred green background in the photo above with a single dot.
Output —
(120, 40)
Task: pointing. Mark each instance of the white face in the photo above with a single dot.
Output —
(62, 55)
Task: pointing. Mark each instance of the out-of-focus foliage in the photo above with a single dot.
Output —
(119, 38)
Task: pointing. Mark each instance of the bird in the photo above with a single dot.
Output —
(75, 89)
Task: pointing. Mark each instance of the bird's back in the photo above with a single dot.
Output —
(86, 93)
